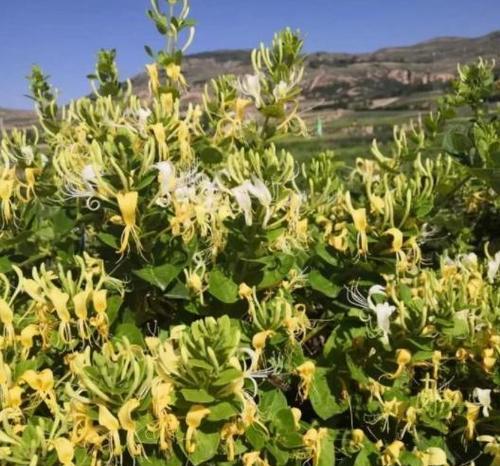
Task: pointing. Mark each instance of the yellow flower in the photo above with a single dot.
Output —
(154, 79)
(65, 451)
(397, 239)
(471, 417)
(129, 425)
(306, 373)
(358, 437)
(360, 223)
(403, 358)
(227, 434)
(297, 414)
(174, 73)
(7, 318)
(6, 191)
(391, 454)
(127, 202)
(193, 421)
(313, 442)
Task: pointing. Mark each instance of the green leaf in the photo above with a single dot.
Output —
(160, 276)
(321, 284)
(284, 421)
(5, 265)
(109, 240)
(221, 287)
(227, 376)
(131, 331)
(222, 411)
(322, 397)
(327, 451)
(256, 436)
(197, 395)
(272, 401)
(206, 447)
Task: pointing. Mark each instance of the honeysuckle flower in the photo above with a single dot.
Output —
(250, 86)
(493, 267)
(360, 223)
(403, 358)
(108, 420)
(227, 434)
(65, 451)
(306, 373)
(483, 397)
(127, 203)
(174, 73)
(471, 416)
(166, 178)
(397, 239)
(60, 300)
(154, 78)
(383, 311)
(281, 90)
(129, 425)
(391, 454)
(242, 197)
(433, 456)
(43, 384)
(489, 359)
(297, 415)
(194, 417)
(6, 192)
(358, 437)
(313, 440)
(253, 458)
(7, 319)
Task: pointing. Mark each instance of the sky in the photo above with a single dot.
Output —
(63, 36)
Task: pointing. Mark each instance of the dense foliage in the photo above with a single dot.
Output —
(176, 290)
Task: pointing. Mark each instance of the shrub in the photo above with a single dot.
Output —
(174, 289)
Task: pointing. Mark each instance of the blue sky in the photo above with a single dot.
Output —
(63, 36)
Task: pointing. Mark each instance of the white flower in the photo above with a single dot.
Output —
(281, 90)
(259, 190)
(483, 397)
(383, 311)
(493, 266)
(250, 86)
(166, 177)
(244, 202)
(89, 174)
(469, 260)
(28, 154)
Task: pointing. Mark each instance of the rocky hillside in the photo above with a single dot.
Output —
(340, 85)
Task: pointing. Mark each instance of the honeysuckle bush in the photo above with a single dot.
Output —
(177, 290)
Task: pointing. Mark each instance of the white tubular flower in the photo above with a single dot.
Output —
(89, 174)
(250, 86)
(493, 266)
(259, 190)
(469, 261)
(166, 177)
(281, 90)
(483, 397)
(383, 311)
(244, 202)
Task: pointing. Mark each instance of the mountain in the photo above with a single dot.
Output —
(345, 90)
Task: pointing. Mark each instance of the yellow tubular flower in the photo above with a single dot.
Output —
(174, 73)
(193, 421)
(358, 437)
(306, 373)
(312, 441)
(108, 421)
(259, 343)
(6, 191)
(14, 397)
(489, 359)
(129, 425)
(154, 79)
(65, 451)
(433, 456)
(360, 223)
(253, 458)
(391, 454)
(7, 318)
(403, 358)
(60, 300)
(471, 417)
(397, 239)
(127, 202)
(227, 434)
(42, 383)
(26, 338)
